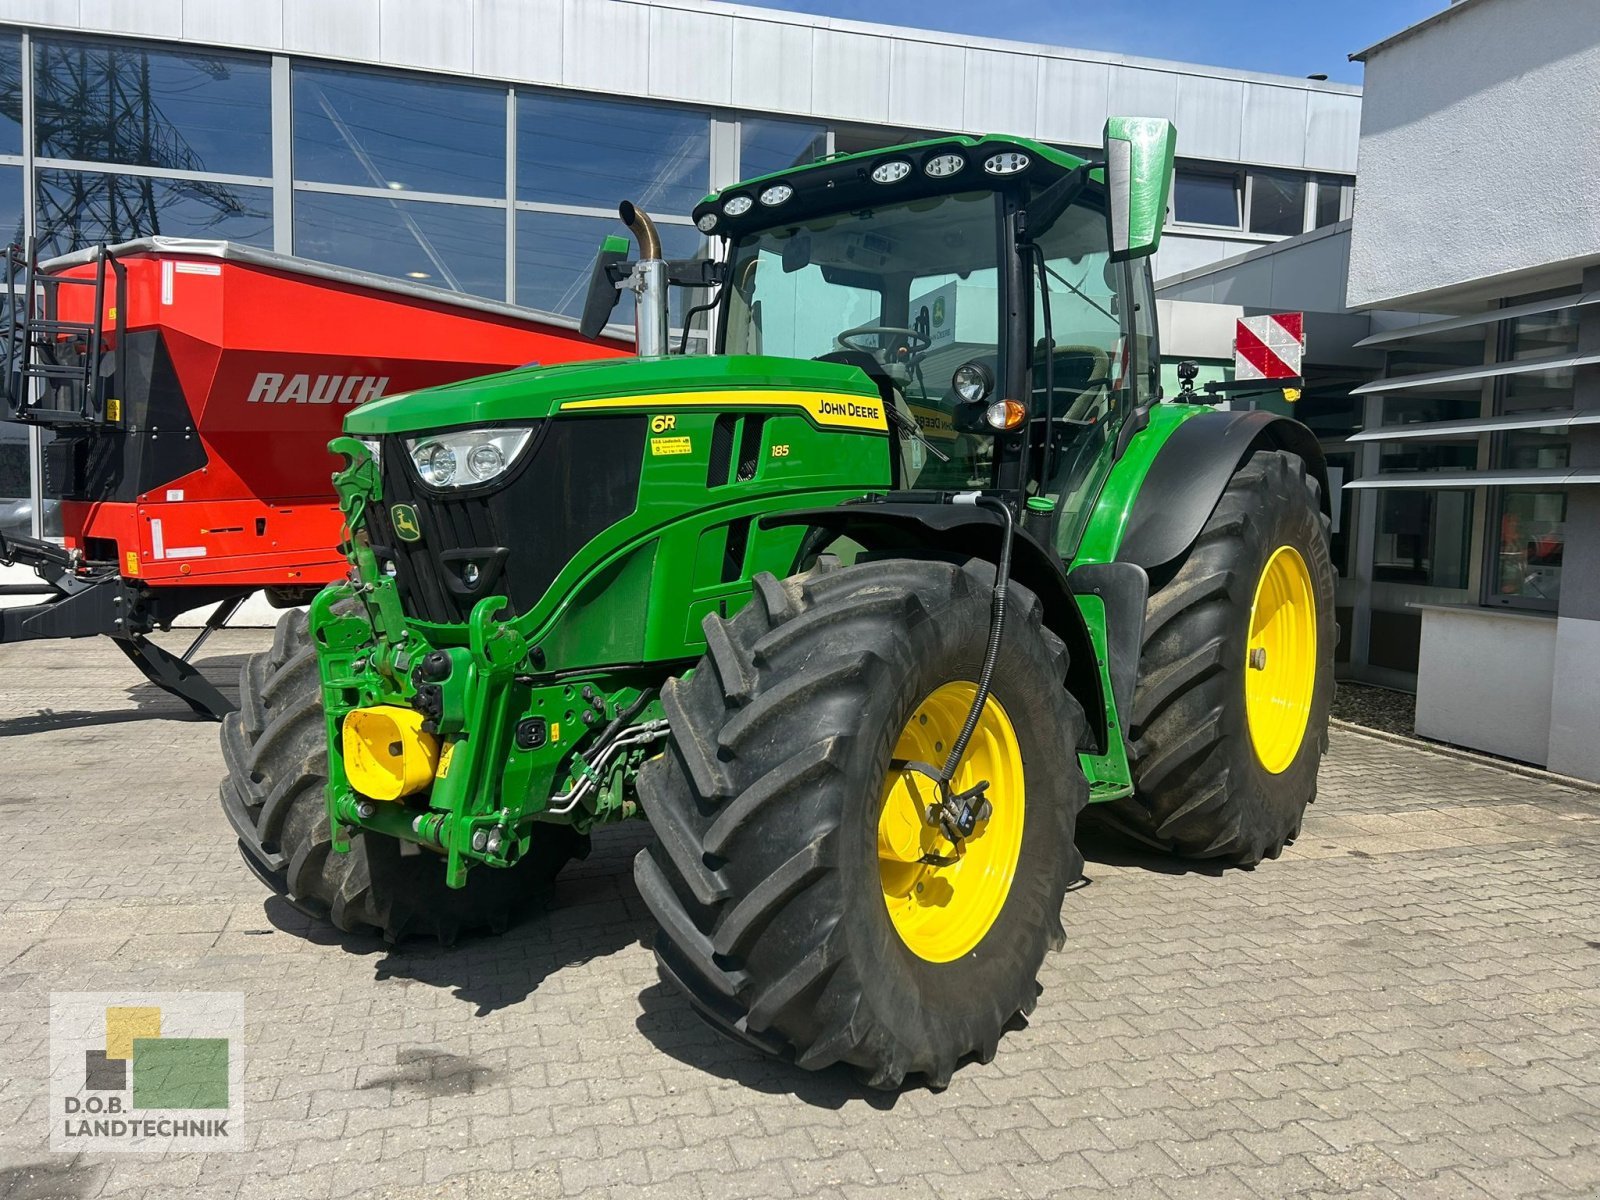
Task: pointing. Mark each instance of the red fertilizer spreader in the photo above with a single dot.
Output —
(191, 388)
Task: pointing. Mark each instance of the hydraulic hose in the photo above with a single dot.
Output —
(997, 622)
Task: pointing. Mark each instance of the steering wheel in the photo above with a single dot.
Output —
(916, 342)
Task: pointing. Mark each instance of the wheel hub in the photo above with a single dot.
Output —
(1281, 659)
(944, 894)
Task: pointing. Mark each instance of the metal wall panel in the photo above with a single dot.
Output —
(772, 66)
(1274, 129)
(796, 66)
(1136, 92)
(41, 12)
(682, 44)
(848, 79)
(425, 33)
(926, 85)
(332, 28)
(1179, 254)
(1210, 114)
(518, 39)
(141, 18)
(1333, 129)
(229, 23)
(1002, 93)
(1073, 101)
(1249, 283)
(605, 47)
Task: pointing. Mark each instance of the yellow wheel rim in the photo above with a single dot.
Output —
(1281, 660)
(942, 912)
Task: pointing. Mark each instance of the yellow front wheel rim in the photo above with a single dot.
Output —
(1281, 659)
(943, 912)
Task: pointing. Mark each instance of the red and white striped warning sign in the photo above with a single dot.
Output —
(1269, 347)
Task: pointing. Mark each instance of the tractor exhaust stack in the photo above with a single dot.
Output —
(648, 283)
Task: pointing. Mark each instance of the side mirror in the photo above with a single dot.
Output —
(1139, 153)
(603, 294)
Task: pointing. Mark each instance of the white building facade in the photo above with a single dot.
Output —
(482, 145)
(1480, 161)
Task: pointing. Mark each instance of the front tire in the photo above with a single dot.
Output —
(275, 795)
(794, 910)
(1230, 714)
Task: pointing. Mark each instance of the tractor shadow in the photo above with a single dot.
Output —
(671, 1025)
(591, 913)
(150, 703)
(1109, 848)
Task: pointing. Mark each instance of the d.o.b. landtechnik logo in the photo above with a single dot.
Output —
(146, 1072)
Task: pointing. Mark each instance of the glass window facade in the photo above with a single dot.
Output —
(1277, 202)
(1203, 198)
(10, 93)
(1423, 537)
(174, 110)
(588, 153)
(454, 246)
(1258, 200)
(81, 208)
(767, 145)
(1331, 191)
(399, 133)
(491, 189)
(556, 253)
(1528, 535)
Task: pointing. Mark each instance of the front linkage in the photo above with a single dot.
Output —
(463, 749)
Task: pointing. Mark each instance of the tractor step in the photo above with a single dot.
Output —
(1101, 790)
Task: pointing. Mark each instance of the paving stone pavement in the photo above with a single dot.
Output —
(1406, 1004)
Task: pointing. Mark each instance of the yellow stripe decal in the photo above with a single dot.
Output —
(835, 410)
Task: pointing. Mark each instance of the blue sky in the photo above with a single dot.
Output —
(1286, 37)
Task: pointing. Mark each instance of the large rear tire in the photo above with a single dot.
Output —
(274, 794)
(794, 909)
(1230, 715)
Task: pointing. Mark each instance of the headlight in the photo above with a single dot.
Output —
(1008, 162)
(466, 457)
(973, 382)
(374, 448)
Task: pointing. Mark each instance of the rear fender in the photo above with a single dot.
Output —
(920, 529)
(1181, 486)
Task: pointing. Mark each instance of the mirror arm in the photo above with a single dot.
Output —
(1046, 208)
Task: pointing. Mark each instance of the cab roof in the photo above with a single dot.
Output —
(845, 181)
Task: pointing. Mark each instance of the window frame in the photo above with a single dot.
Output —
(1251, 175)
(1504, 347)
(1213, 171)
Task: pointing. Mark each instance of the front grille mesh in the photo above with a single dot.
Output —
(580, 476)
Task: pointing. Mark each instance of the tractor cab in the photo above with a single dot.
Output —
(977, 282)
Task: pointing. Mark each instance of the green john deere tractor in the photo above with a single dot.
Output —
(860, 611)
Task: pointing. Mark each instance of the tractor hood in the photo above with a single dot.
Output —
(531, 393)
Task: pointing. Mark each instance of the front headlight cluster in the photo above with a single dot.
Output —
(466, 457)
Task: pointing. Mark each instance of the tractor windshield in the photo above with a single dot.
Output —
(907, 291)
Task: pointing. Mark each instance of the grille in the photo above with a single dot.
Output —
(580, 476)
